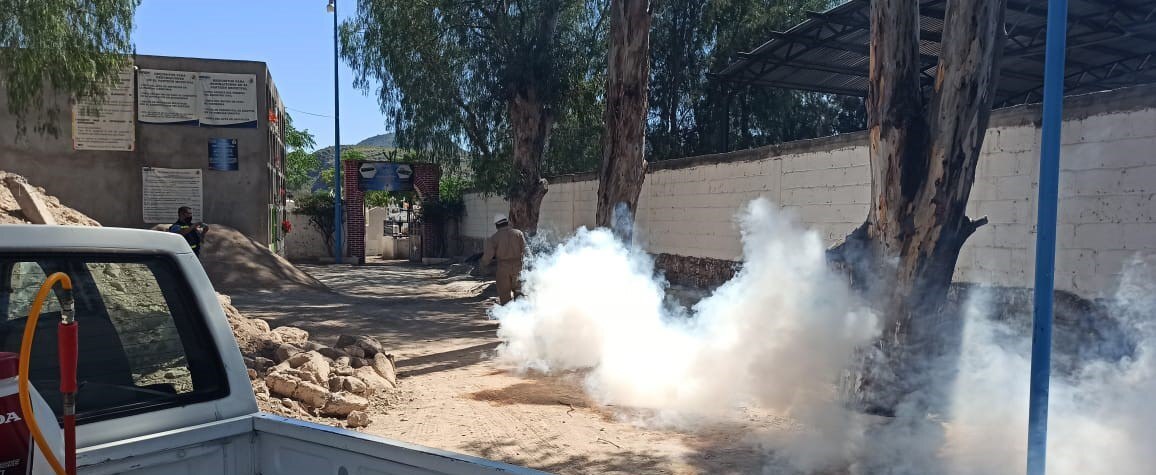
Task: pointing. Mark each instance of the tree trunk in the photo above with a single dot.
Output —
(530, 120)
(923, 162)
(623, 166)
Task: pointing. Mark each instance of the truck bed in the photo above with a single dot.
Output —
(272, 445)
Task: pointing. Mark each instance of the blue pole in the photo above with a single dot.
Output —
(1046, 236)
(338, 226)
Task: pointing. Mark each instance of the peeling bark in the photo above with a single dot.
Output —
(923, 158)
(623, 167)
(530, 120)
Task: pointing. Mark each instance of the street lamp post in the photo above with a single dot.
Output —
(337, 176)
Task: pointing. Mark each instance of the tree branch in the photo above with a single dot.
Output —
(971, 225)
(473, 129)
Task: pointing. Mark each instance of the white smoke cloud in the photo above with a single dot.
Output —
(595, 304)
(1101, 419)
(780, 334)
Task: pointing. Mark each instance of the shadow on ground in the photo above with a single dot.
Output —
(404, 306)
(445, 360)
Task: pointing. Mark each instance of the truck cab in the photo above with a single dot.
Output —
(162, 384)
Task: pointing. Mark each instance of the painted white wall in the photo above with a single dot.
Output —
(375, 230)
(304, 241)
(1107, 201)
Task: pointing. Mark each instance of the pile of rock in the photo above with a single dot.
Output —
(297, 376)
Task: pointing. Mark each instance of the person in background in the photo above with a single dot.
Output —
(508, 246)
(194, 233)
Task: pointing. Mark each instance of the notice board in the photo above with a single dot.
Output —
(106, 123)
(228, 100)
(167, 97)
(167, 189)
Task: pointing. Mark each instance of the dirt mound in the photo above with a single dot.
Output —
(10, 209)
(236, 262)
(294, 376)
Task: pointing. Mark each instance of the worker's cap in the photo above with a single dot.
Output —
(500, 219)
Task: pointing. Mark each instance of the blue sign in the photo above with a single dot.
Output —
(386, 177)
(223, 154)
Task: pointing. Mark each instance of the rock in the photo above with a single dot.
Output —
(292, 334)
(311, 362)
(293, 407)
(299, 359)
(249, 362)
(342, 370)
(282, 366)
(312, 346)
(343, 403)
(383, 364)
(369, 376)
(341, 361)
(335, 383)
(259, 388)
(262, 364)
(356, 386)
(357, 362)
(302, 375)
(353, 351)
(282, 384)
(357, 419)
(250, 333)
(346, 340)
(331, 353)
(252, 374)
(284, 351)
(312, 395)
(370, 345)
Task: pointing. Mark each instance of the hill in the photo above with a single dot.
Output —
(383, 140)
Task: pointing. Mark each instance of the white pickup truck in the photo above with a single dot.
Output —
(163, 388)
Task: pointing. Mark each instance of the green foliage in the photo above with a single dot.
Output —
(690, 113)
(453, 188)
(300, 164)
(352, 154)
(377, 198)
(447, 68)
(319, 208)
(75, 47)
(576, 143)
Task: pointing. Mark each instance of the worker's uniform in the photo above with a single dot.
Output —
(192, 237)
(507, 245)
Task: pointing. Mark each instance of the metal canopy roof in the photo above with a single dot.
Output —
(1111, 44)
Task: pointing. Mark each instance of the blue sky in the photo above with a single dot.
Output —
(294, 37)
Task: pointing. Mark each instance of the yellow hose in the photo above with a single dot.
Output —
(25, 359)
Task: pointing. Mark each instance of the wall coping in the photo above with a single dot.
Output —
(161, 58)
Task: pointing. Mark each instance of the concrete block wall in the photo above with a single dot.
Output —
(305, 241)
(1107, 208)
(107, 185)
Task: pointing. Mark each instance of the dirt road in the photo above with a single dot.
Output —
(457, 400)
